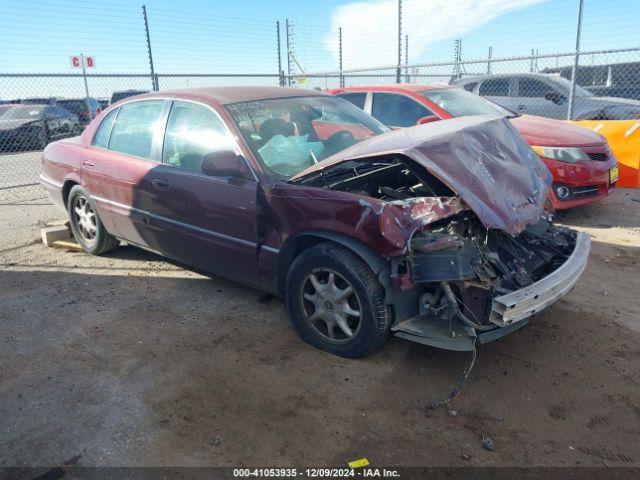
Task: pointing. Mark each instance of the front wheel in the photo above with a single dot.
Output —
(86, 226)
(336, 302)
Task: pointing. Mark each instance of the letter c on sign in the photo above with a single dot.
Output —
(75, 61)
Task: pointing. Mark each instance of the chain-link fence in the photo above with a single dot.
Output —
(29, 119)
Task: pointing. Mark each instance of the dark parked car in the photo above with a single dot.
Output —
(121, 95)
(35, 126)
(39, 101)
(436, 233)
(85, 108)
(548, 96)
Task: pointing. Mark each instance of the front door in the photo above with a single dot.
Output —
(205, 221)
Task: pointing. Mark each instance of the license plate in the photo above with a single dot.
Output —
(613, 174)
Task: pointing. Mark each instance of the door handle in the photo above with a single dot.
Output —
(87, 163)
(522, 107)
(160, 184)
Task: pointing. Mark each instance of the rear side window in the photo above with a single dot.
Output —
(357, 98)
(496, 87)
(134, 128)
(397, 110)
(101, 138)
(193, 132)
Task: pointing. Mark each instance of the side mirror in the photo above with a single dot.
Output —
(427, 119)
(225, 163)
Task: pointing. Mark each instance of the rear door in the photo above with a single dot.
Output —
(116, 168)
(205, 221)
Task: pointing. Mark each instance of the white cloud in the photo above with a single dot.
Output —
(369, 28)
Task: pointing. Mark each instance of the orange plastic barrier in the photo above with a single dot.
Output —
(624, 139)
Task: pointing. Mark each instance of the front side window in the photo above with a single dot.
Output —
(101, 138)
(288, 135)
(397, 110)
(193, 132)
(532, 88)
(135, 126)
(460, 103)
(496, 87)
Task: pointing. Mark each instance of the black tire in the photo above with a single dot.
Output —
(101, 241)
(372, 327)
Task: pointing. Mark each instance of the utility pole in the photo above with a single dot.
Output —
(288, 33)
(340, 56)
(280, 72)
(489, 56)
(399, 41)
(154, 79)
(406, 58)
(574, 70)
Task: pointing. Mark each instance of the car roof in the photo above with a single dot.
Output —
(502, 75)
(396, 87)
(228, 95)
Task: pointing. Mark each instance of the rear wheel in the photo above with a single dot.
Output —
(85, 223)
(336, 302)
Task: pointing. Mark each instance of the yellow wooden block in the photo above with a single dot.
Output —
(362, 462)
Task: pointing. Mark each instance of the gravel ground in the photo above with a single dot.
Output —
(128, 359)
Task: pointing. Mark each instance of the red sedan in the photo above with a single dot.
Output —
(435, 234)
(583, 167)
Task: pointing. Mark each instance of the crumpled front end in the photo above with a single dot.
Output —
(482, 283)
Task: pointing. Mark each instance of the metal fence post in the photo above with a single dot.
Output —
(406, 58)
(154, 83)
(84, 76)
(340, 56)
(574, 70)
(287, 27)
(280, 72)
(489, 60)
(399, 41)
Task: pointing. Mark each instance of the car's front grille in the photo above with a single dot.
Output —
(584, 191)
(598, 156)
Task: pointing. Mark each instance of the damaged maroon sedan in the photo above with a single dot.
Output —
(434, 233)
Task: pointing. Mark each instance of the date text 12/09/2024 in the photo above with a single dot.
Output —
(315, 473)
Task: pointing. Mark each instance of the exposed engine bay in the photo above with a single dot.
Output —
(461, 264)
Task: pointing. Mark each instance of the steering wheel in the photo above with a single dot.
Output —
(340, 137)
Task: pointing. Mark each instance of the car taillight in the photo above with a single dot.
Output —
(85, 113)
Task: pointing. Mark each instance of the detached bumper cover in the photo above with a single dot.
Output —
(521, 304)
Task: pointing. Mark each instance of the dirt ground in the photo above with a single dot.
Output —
(130, 360)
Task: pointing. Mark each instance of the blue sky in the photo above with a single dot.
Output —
(199, 36)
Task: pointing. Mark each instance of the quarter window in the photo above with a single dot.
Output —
(397, 110)
(134, 128)
(101, 138)
(496, 87)
(193, 132)
(530, 87)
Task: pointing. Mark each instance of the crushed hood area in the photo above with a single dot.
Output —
(482, 159)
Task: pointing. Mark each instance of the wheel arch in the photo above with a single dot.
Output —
(301, 242)
(66, 188)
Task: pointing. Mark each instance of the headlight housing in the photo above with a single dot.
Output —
(562, 154)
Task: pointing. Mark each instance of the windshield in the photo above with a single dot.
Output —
(460, 103)
(288, 135)
(24, 113)
(74, 106)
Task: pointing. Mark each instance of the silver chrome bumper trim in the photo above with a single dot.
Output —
(523, 303)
